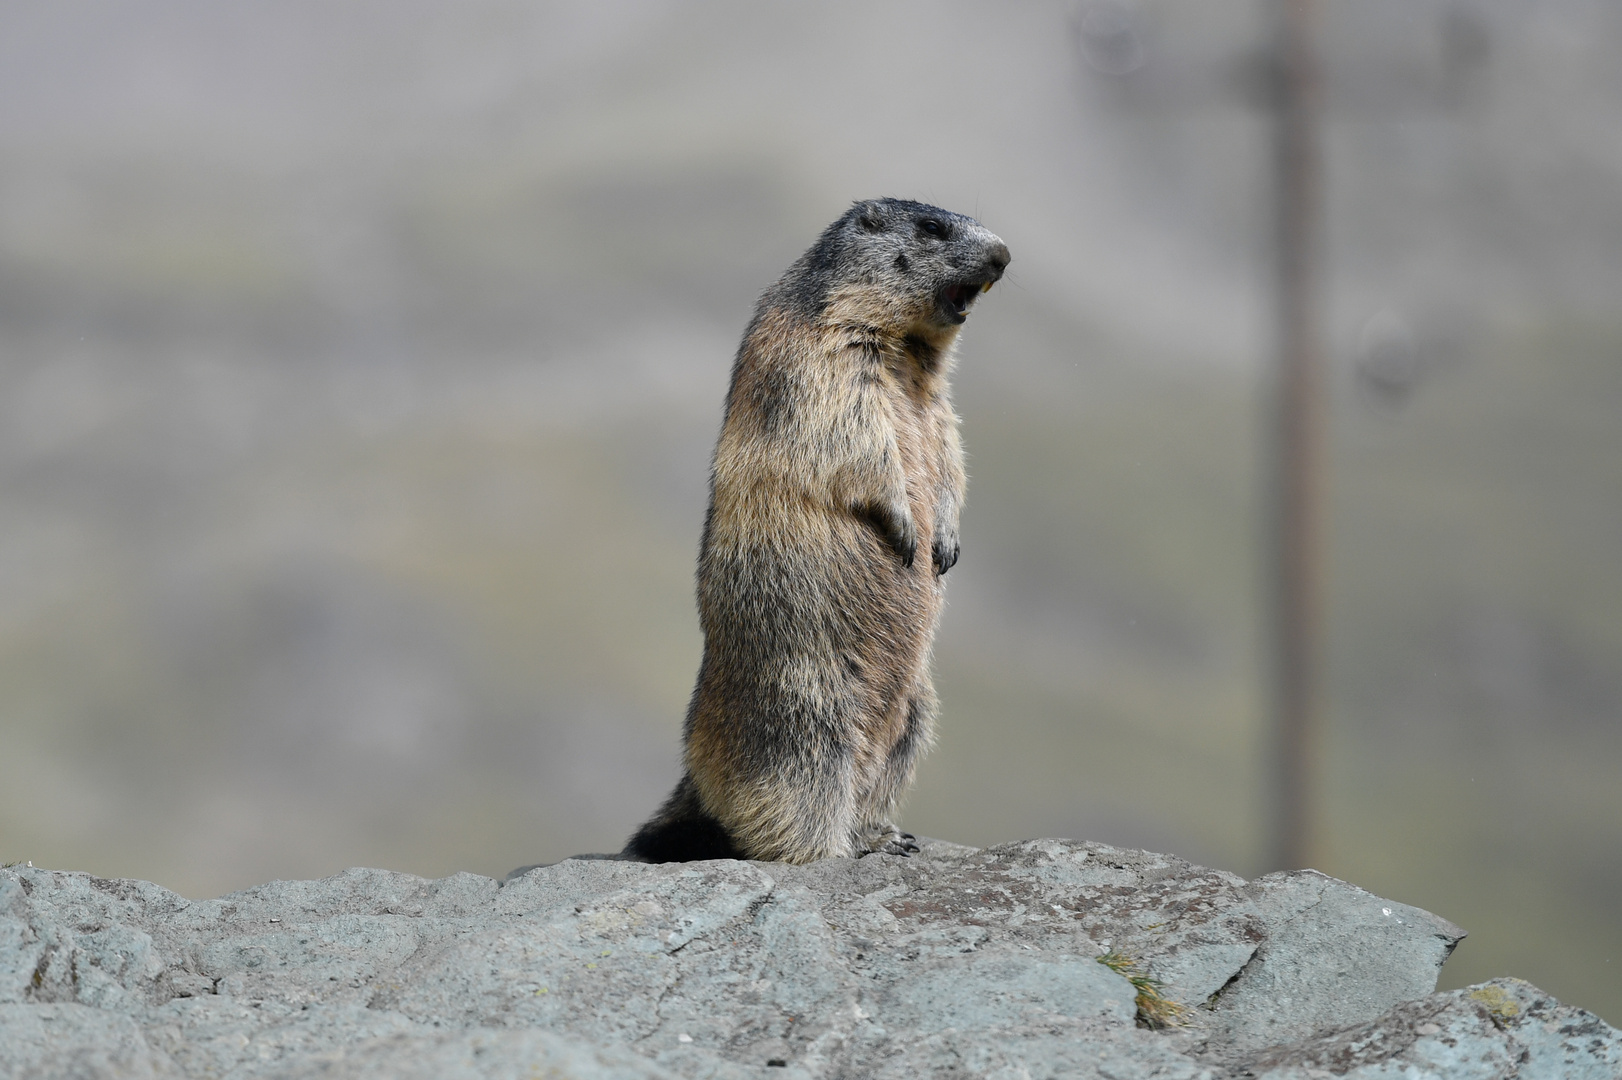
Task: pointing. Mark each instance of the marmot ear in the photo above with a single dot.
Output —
(871, 217)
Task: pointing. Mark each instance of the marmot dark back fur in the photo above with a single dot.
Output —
(834, 500)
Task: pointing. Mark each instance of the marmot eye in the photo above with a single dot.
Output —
(932, 227)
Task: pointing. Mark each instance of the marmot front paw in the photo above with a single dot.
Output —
(893, 522)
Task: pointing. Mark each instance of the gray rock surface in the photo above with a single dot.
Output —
(958, 962)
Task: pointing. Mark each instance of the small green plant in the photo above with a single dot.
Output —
(1155, 1009)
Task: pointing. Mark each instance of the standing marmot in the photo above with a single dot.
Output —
(838, 462)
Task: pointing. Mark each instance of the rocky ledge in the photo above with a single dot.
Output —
(1048, 958)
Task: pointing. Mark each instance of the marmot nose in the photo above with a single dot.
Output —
(997, 257)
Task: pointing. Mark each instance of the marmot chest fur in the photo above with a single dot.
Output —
(834, 499)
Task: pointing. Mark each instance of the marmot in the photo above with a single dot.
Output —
(838, 464)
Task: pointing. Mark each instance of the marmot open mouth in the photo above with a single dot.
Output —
(955, 299)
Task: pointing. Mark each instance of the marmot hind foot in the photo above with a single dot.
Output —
(886, 839)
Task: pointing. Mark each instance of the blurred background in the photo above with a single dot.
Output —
(360, 364)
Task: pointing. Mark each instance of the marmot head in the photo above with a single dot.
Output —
(931, 263)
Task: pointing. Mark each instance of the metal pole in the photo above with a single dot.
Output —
(1297, 450)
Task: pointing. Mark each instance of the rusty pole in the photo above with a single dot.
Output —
(1296, 453)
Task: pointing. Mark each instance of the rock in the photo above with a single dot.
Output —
(957, 961)
(1503, 1028)
(1334, 955)
(53, 1039)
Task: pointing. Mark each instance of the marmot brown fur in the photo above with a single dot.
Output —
(838, 463)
